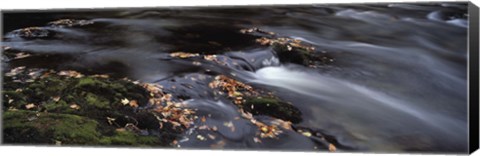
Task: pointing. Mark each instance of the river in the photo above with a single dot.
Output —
(397, 82)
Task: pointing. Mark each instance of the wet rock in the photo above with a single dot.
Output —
(272, 107)
(69, 23)
(33, 33)
(301, 55)
(290, 50)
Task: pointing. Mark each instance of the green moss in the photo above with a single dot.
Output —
(32, 127)
(17, 99)
(53, 106)
(87, 82)
(97, 101)
(22, 126)
(272, 107)
(129, 138)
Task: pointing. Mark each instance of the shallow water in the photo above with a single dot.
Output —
(397, 82)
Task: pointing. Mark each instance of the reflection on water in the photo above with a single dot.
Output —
(398, 82)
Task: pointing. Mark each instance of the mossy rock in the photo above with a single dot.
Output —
(300, 56)
(272, 107)
(295, 55)
(84, 110)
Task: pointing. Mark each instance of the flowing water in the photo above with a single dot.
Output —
(398, 81)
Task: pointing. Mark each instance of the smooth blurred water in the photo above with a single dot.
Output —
(398, 81)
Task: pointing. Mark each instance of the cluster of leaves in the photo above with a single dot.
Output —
(33, 32)
(238, 93)
(235, 90)
(172, 112)
(184, 55)
(48, 32)
(270, 38)
(252, 101)
(70, 23)
(289, 43)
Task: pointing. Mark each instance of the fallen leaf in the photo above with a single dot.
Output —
(133, 103)
(120, 130)
(125, 101)
(196, 63)
(183, 54)
(15, 71)
(30, 106)
(307, 134)
(101, 76)
(70, 73)
(211, 136)
(110, 120)
(21, 55)
(214, 128)
(203, 127)
(332, 148)
(200, 137)
(264, 129)
(56, 98)
(75, 106)
(219, 144)
(229, 125)
(257, 140)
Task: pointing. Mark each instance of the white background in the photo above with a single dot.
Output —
(49, 4)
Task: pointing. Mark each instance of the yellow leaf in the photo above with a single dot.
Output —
(307, 134)
(125, 101)
(200, 137)
(332, 148)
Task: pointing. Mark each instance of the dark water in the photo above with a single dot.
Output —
(397, 82)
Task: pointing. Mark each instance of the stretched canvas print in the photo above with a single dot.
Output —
(378, 77)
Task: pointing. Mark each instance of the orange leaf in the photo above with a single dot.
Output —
(332, 148)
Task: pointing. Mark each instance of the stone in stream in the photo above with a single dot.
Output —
(256, 101)
(69, 23)
(33, 33)
(291, 50)
(272, 107)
